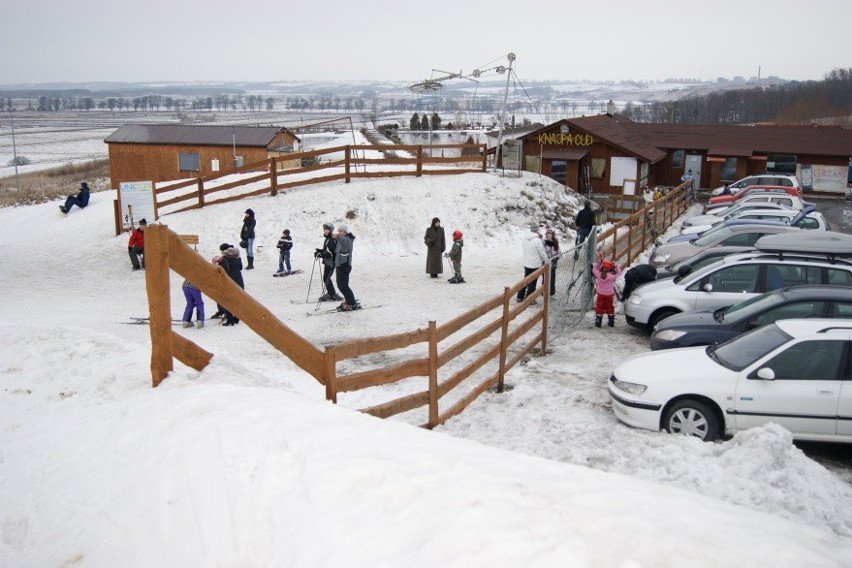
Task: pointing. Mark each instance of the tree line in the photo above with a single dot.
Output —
(828, 100)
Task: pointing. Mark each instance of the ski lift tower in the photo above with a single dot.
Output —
(500, 69)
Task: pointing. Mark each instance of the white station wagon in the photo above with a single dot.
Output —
(795, 373)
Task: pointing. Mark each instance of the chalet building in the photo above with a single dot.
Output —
(610, 154)
(164, 152)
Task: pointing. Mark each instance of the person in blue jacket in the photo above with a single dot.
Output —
(80, 200)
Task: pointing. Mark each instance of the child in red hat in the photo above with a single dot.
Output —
(606, 273)
(455, 256)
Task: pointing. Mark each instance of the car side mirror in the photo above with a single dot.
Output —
(766, 374)
(707, 287)
(683, 271)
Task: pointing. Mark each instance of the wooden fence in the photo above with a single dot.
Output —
(628, 238)
(270, 176)
(165, 251)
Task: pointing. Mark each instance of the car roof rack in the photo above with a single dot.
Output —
(831, 244)
(836, 328)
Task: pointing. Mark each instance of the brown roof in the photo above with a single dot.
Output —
(195, 135)
(615, 132)
(720, 139)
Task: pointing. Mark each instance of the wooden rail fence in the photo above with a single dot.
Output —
(165, 251)
(271, 176)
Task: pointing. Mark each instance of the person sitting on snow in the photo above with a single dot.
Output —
(81, 200)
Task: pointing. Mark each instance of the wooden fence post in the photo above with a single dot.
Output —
(433, 374)
(347, 166)
(200, 192)
(330, 372)
(273, 176)
(419, 161)
(159, 303)
(504, 339)
(546, 308)
(484, 158)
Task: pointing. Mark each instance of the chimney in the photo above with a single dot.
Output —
(610, 108)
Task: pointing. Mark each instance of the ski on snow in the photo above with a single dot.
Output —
(284, 274)
(144, 321)
(337, 311)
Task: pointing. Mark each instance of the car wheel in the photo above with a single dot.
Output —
(660, 316)
(692, 418)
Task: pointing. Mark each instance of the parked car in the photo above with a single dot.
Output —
(699, 260)
(731, 233)
(794, 191)
(807, 218)
(761, 179)
(730, 281)
(700, 223)
(711, 327)
(778, 198)
(794, 373)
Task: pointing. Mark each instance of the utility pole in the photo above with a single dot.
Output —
(511, 57)
(14, 151)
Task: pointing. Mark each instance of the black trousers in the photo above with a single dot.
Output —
(327, 273)
(524, 292)
(342, 273)
(137, 257)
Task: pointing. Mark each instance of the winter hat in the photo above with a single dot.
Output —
(224, 246)
(249, 212)
(342, 228)
(550, 230)
(607, 265)
(286, 231)
(328, 226)
(143, 222)
(84, 185)
(457, 235)
(435, 220)
(587, 203)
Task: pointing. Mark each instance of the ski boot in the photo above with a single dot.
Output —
(611, 322)
(598, 321)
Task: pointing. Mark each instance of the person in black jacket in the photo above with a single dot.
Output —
(635, 277)
(585, 222)
(343, 267)
(81, 200)
(233, 265)
(326, 253)
(247, 235)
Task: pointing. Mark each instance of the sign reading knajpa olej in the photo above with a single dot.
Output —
(576, 140)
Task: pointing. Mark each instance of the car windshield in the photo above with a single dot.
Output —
(743, 310)
(743, 350)
(712, 236)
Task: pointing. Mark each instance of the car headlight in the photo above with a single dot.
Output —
(669, 334)
(661, 258)
(632, 388)
(634, 299)
(686, 224)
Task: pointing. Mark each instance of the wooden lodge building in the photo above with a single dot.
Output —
(610, 154)
(165, 152)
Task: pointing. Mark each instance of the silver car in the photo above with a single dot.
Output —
(730, 233)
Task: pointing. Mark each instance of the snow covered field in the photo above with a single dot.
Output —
(245, 464)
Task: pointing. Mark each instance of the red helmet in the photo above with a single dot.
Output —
(607, 265)
(457, 235)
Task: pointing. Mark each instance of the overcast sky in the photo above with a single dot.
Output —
(210, 40)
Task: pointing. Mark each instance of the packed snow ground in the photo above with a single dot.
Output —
(245, 463)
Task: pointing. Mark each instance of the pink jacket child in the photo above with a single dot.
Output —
(606, 273)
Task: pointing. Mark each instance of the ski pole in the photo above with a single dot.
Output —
(311, 281)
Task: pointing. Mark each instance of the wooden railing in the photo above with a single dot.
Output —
(166, 251)
(628, 238)
(271, 176)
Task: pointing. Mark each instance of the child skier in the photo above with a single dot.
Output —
(455, 255)
(606, 273)
(285, 243)
(193, 300)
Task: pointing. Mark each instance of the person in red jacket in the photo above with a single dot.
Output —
(136, 245)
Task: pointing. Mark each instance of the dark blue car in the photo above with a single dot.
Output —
(712, 327)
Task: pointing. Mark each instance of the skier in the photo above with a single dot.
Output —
(585, 222)
(326, 253)
(81, 200)
(136, 245)
(233, 265)
(193, 301)
(606, 273)
(435, 245)
(455, 255)
(343, 268)
(285, 245)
